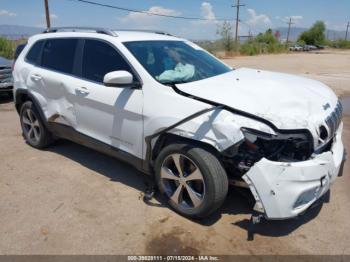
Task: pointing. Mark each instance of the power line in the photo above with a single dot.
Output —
(147, 12)
(256, 32)
(238, 5)
(347, 30)
(47, 13)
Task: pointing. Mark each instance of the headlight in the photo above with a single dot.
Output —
(291, 147)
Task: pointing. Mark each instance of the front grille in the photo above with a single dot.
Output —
(334, 119)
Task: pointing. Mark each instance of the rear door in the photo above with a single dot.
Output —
(109, 114)
(58, 76)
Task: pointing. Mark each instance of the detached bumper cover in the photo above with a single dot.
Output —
(285, 190)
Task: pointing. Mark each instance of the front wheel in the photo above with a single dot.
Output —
(192, 180)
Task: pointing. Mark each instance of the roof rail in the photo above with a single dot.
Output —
(146, 31)
(80, 29)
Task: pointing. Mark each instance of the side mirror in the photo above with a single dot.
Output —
(121, 79)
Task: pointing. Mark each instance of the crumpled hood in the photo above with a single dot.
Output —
(288, 101)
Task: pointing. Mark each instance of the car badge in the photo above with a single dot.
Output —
(326, 106)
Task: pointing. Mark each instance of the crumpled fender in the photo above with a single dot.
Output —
(218, 128)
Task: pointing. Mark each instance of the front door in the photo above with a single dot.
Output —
(109, 114)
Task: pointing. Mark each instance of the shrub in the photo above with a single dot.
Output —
(343, 44)
(6, 48)
(264, 43)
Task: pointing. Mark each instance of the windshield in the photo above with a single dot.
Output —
(176, 61)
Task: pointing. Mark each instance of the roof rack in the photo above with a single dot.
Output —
(80, 29)
(145, 31)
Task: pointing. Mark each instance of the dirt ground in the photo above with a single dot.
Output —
(72, 200)
(329, 66)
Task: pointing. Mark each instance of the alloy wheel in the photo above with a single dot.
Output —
(31, 126)
(182, 181)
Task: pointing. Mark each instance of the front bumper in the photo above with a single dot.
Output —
(5, 87)
(285, 190)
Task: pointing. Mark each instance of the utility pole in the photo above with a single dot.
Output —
(47, 13)
(347, 30)
(238, 5)
(250, 34)
(290, 23)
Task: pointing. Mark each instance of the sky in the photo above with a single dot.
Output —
(256, 15)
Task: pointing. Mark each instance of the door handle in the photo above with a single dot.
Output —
(36, 77)
(82, 91)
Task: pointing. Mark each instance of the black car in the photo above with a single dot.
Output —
(6, 67)
(6, 80)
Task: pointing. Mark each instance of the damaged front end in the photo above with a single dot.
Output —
(282, 171)
(286, 170)
(258, 145)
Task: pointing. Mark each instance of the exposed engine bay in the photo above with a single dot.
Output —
(258, 145)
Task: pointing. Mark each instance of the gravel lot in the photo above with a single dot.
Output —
(329, 66)
(71, 200)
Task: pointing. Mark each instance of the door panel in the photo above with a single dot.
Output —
(52, 77)
(109, 114)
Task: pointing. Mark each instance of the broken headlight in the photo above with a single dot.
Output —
(282, 148)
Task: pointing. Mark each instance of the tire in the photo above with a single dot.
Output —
(192, 194)
(34, 131)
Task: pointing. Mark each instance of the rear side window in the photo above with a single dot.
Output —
(34, 52)
(100, 58)
(58, 54)
(18, 50)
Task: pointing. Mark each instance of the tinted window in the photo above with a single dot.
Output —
(34, 52)
(19, 49)
(100, 58)
(58, 54)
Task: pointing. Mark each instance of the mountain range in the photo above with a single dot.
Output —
(18, 31)
(15, 32)
(296, 31)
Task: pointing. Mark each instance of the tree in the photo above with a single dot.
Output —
(315, 35)
(6, 48)
(267, 37)
(225, 31)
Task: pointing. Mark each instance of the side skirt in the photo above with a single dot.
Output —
(69, 133)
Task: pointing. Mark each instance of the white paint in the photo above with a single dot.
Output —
(278, 186)
(118, 78)
(123, 117)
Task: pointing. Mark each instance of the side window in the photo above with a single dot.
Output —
(34, 52)
(100, 58)
(58, 54)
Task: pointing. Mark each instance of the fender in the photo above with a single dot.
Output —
(19, 93)
(148, 139)
(215, 105)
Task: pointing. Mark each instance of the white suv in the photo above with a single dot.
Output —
(174, 111)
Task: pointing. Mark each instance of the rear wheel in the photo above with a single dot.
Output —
(34, 130)
(192, 180)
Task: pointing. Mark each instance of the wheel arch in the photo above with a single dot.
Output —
(21, 96)
(169, 138)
